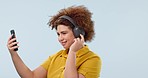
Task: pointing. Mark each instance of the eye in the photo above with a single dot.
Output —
(64, 33)
(58, 34)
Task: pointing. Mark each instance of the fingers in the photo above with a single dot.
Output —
(12, 44)
(11, 40)
(82, 38)
(78, 44)
(12, 48)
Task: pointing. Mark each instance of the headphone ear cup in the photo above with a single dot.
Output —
(77, 31)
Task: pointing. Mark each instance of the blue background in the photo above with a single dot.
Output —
(121, 38)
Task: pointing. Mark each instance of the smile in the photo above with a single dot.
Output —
(63, 43)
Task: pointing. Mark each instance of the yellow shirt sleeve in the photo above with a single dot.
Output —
(46, 63)
(91, 68)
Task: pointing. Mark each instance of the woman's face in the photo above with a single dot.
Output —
(65, 36)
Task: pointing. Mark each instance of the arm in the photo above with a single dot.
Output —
(21, 68)
(70, 68)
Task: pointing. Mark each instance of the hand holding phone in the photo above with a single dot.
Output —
(14, 36)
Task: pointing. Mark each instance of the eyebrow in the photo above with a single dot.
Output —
(62, 32)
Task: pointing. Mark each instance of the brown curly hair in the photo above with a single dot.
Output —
(82, 17)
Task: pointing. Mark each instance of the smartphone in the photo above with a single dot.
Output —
(14, 36)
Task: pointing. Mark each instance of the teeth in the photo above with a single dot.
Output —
(63, 43)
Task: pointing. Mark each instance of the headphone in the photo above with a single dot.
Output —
(76, 30)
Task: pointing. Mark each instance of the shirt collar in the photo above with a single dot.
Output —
(82, 51)
(65, 53)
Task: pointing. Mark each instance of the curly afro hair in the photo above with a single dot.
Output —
(82, 17)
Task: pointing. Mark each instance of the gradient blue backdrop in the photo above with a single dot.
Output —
(121, 38)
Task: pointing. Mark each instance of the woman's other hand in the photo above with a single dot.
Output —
(78, 44)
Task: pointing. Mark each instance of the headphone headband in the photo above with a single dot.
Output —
(69, 19)
(76, 30)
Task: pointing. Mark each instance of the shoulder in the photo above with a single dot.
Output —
(87, 53)
(93, 55)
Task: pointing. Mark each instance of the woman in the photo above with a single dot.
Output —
(74, 27)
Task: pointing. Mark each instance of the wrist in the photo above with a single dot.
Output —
(13, 53)
(72, 52)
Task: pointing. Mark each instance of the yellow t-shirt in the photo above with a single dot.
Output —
(87, 63)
